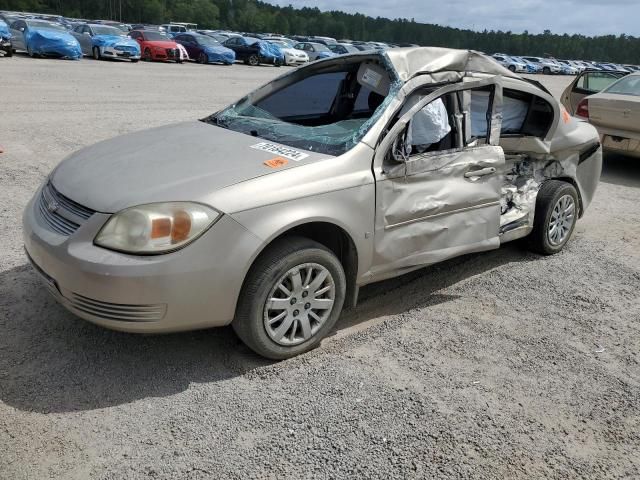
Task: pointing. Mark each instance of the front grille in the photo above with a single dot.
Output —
(117, 311)
(61, 214)
(126, 48)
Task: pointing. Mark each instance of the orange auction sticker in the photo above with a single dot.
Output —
(276, 162)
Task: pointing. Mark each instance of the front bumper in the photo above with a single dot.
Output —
(291, 60)
(227, 59)
(120, 54)
(196, 287)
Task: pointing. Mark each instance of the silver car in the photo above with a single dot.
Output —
(270, 214)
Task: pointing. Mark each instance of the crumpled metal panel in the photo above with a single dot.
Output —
(428, 209)
(412, 61)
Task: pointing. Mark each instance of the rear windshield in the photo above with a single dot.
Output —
(626, 86)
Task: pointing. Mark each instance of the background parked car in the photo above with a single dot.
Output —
(532, 68)
(292, 56)
(43, 38)
(587, 83)
(156, 46)
(342, 48)
(103, 41)
(548, 67)
(205, 49)
(615, 112)
(315, 51)
(254, 51)
(511, 63)
(5, 39)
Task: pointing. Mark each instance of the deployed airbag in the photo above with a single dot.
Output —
(429, 125)
(514, 113)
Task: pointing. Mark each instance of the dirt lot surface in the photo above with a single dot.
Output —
(498, 365)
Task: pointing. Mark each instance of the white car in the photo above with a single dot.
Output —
(292, 56)
(511, 63)
(548, 67)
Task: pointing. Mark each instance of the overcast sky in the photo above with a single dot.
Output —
(589, 17)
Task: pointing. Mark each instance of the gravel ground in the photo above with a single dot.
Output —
(497, 365)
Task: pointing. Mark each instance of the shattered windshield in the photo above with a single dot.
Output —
(327, 112)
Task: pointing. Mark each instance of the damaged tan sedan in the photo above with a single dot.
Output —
(270, 214)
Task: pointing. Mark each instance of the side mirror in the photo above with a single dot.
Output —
(21, 29)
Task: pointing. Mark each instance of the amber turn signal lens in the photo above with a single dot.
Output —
(181, 227)
(160, 227)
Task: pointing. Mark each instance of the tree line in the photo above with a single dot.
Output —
(256, 16)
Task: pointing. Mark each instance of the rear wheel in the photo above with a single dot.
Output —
(253, 60)
(292, 297)
(96, 53)
(134, 60)
(555, 218)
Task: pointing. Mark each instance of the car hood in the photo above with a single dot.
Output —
(183, 162)
(161, 43)
(292, 51)
(111, 40)
(52, 35)
(220, 50)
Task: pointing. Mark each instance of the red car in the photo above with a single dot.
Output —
(156, 46)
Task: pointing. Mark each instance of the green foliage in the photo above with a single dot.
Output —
(256, 16)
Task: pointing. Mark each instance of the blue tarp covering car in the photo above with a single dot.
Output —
(50, 42)
(4, 30)
(270, 51)
(220, 54)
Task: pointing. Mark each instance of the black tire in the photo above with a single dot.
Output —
(134, 60)
(512, 68)
(96, 53)
(548, 196)
(271, 265)
(8, 53)
(278, 63)
(202, 58)
(146, 55)
(253, 60)
(546, 71)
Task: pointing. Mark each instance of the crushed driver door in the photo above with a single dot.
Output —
(445, 201)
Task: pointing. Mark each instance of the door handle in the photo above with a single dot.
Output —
(480, 173)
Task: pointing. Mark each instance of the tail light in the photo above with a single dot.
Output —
(583, 109)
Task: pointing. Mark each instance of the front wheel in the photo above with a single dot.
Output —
(96, 53)
(555, 217)
(512, 68)
(546, 71)
(202, 58)
(292, 297)
(146, 55)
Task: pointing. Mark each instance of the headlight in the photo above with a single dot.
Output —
(156, 228)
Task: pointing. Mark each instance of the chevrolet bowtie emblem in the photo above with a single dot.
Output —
(52, 206)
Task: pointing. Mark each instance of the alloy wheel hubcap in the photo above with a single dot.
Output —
(299, 304)
(561, 221)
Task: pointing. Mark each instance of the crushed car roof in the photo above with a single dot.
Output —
(411, 61)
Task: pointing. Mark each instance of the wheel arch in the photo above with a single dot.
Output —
(333, 236)
(575, 184)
